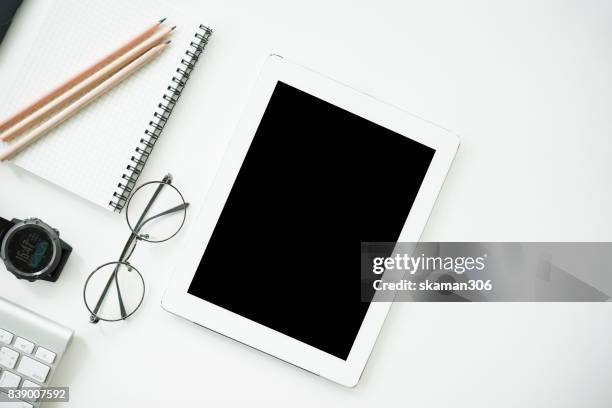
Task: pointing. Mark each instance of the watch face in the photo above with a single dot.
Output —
(30, 249)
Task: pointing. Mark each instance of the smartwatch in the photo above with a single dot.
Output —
(32, 250)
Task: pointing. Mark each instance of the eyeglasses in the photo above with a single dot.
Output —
(115, 290)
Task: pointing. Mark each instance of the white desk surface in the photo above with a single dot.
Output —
(526, 84)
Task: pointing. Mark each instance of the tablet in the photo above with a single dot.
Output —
(313, 169)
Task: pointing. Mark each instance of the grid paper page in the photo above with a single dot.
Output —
(89, 152)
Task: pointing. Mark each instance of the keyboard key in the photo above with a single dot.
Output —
(9, 380)
(8, 357)
(5, 337)
(6, 402)
(45, 355)
(23, 345)
(29, 384)
(33, 369)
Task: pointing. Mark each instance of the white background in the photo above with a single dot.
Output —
(526, 85)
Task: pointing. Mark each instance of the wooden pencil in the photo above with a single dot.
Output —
(83, 87)
(60, 89)
(101, 89)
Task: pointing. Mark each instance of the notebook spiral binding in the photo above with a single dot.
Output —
(160, 117)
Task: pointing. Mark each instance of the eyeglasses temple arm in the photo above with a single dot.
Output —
(161, 214)
(167, 180)
(121, 305)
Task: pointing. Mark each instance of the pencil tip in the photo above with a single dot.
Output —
(168, 42)
(173, 27)
(162, 20)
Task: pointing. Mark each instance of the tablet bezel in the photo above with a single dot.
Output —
(178, 301)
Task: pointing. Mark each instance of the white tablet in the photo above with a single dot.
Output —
(314, 169)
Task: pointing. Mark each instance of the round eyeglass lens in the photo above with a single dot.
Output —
(114, 291)
(156, 211)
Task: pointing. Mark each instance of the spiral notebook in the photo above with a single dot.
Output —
(100, 152)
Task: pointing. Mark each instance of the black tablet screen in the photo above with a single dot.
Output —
(317, 180)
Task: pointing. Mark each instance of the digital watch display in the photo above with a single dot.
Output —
(32, 250)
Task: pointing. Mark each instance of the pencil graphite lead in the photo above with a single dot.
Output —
(162, 20)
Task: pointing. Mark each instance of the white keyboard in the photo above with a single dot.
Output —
(31, 348)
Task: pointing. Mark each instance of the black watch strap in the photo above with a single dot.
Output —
(5, 225)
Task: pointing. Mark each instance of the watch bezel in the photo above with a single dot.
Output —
(55, 241)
